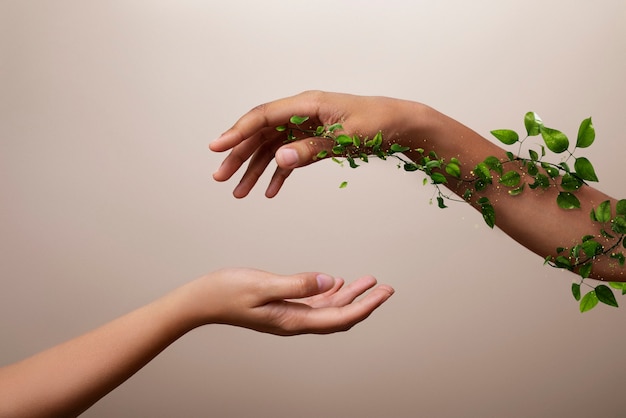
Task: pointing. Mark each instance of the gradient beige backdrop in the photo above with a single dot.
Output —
(107, 201)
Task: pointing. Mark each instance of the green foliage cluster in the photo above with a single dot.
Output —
(515, 173)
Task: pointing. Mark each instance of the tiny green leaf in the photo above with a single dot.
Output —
(517, 190)
(344, 140)
(482, 171)
(510, 178)
(488, 212)
(585, 270)
(556, 141)
(506, 136)
(619, 224)
(398, 148)
(566, 200)
(281, 128)
(298, 120)
(588, 302)
(533, 123)
(453, 169)
(334, 127)
(584, 169)
(322, 154)
(570, 183)
(576, 291)
(602, 212)
(438, 178)
(592, 248)
(494, 164)
(605, 295)
(343, 185)
(586, 134)
(620, 208)
(440, 202)
(533, 155)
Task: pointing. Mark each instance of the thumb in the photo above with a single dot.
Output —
(300, 286)
(302, 152)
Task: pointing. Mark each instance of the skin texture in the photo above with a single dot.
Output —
(254, 140)
(67, 379)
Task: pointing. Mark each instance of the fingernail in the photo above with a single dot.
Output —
(287, 157)
(324, 282)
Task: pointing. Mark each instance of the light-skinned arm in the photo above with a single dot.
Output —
(67, 379)
(254, 139)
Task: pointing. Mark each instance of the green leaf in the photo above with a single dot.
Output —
(343, 185)
(335, 127)
(588, 302)
(570, 183)
(453, 169)
(356, 141)
(586, 134)
(576, 291)
(602, 212)
(494, 164)
(506, 136)
(440, 202)
(619, 224)
(584, 169)
(510, 178)
(556, 141)
(298, 120)
(619, 257)
(338, 149)
(533, 123)
(592, 248)
(281, 128)
(344, 140)
(532, 168)
(541, 180)
(566, 200)
(378, 138)
(483, 173)
(438, 178)
(517, 190)
(563, 262)
(620, 208)
(533, 155)
(322, 154)
(585, 270)
(398, 148)
(552, 171)
(605, 295)
(619, 285)
(351, 161)
(410, 167)
(488, 212)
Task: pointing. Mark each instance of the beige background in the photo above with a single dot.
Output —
(107, 201)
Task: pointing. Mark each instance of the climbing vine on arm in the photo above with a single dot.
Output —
(543, 174)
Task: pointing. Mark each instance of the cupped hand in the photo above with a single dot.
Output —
(254, 138)
(284, 304)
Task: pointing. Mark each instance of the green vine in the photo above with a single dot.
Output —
(578, 258)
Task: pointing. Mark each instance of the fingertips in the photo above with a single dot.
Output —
(302, 152)
(324, 282)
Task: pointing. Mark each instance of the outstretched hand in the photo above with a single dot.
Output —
(254, 136)
(283, 305)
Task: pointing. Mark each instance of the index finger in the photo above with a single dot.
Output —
(267, 115)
